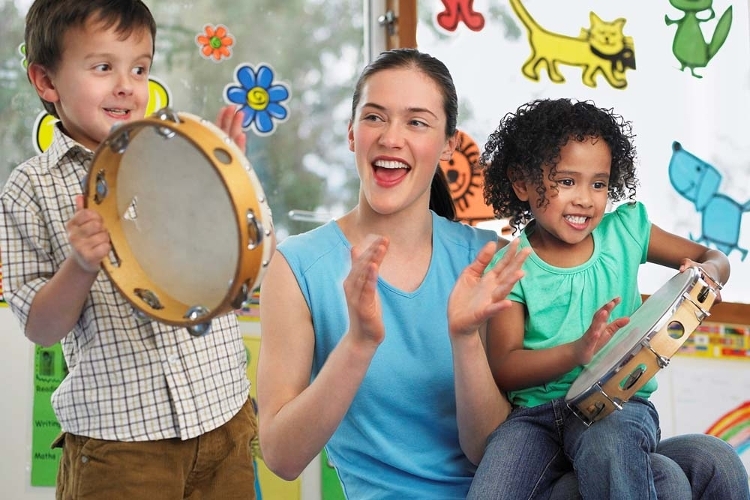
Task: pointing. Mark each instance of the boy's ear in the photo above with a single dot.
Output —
(520, 186)
(450, 147)
(40, 79)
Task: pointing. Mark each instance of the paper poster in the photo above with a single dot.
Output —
(330, 486)
(49, 371)
(268, 485)
(716, 340)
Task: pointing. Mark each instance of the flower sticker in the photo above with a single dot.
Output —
(260, 101)
(215, 42)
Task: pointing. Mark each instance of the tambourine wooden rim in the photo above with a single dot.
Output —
(649, 340)
(243, 189)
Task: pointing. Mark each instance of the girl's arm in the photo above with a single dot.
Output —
(674, 251)
(514, 367)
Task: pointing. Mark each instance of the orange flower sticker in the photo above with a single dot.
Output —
(215, 42)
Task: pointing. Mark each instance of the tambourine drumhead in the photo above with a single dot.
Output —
(651, 317)
(639, 350)
(189, 223)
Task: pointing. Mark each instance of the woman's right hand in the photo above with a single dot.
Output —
(360, 289)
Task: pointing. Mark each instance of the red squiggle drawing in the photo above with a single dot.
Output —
(460, 10)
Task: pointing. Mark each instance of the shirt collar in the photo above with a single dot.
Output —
(63, 146)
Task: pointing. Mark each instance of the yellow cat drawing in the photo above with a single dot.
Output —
(602, 48)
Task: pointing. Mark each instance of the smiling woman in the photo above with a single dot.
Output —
(356, 322)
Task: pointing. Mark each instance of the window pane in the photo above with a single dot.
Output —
(314, 48)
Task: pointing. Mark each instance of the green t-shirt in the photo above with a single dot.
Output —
(561, 302)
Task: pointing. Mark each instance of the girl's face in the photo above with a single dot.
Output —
(101, 80)
(398, 137)
(577, 194)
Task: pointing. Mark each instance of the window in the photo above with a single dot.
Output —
(313, 47)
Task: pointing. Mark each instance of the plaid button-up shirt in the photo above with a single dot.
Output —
(129, 379)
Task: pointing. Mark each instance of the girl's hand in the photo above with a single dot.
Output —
(477, 295)
(707, 269)
(599, 333)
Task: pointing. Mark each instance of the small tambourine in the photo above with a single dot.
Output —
(644, 346)
(189, 224)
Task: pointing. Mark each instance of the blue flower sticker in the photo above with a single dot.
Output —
(259, 96)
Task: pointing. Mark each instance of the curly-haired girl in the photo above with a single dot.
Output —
(553, 167)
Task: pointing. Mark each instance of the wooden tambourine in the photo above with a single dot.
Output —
(189, 224)
(645, 345)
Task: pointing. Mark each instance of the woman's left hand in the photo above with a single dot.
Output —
(478, 295)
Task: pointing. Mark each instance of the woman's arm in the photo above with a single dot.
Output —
(296, 418)
(480, 405)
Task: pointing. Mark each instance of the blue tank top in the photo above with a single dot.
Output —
(399, 438)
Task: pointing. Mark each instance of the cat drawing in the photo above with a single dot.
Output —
(600, 49)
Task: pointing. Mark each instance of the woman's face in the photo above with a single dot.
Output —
(398, 137)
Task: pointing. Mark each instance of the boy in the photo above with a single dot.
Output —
(147, 410)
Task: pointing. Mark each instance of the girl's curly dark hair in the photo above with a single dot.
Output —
(527, 140)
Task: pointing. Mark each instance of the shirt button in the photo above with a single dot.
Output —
(84, 459)
(173, 358)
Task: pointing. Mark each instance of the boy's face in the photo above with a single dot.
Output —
(102, 79)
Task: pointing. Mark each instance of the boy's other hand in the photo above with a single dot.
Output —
(229, 120)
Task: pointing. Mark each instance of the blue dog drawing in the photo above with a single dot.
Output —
(699, 182)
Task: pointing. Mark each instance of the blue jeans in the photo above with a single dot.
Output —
(534, 446)
(688, 466)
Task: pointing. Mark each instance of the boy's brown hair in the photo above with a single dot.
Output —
(47, 21)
